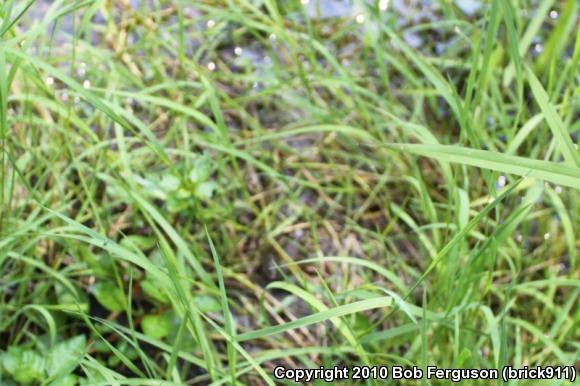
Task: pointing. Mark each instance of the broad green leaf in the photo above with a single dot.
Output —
(205, 190)
(110, 296)
(154, 290)
(207, 303)
(138, 241)
(66, 355)
(25, 366)
(69, 380)
(201, 169)
(157, 326)
(169, 183)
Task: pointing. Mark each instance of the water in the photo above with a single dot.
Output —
(328, 9)
(413, 39)
(407, 12)
(469, 7)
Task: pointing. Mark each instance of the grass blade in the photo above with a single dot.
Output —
(524, 167)
(555, 123)
(346, 309)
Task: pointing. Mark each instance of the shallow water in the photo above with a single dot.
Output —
(407, 11)
(469, 7)
(406, 14)
(327, 9)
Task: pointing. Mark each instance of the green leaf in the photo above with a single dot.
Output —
(64, 297)
(138, 241)
(169, 183)
(100, 263)
(207, 303)
(154, 290)
(69, 380)
(110, 296)
(66, 355)
(205, 190)
(176, 205)
(25, 366)
(464, 355)
(201, 169)
(157, 326)
(361, 323)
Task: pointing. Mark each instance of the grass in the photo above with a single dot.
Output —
(198, 193)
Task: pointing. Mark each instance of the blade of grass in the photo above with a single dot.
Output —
(228, 318)
(390, 276)
(509, 19)
(548, 171)
(490, 40)
(346, 309)
(555, 123)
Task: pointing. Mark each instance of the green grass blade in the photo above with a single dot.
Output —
(347, 309)
(228, 318)
(554, 121)
(524, 167)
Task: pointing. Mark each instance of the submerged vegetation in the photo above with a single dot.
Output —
(198, 192)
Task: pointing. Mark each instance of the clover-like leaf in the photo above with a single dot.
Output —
(24, 365)
(66, 355)
(205, 190)
(157, 326)
(207, 303)
(201, 170)
(152, 289)
(169, 183)
(110, 296)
